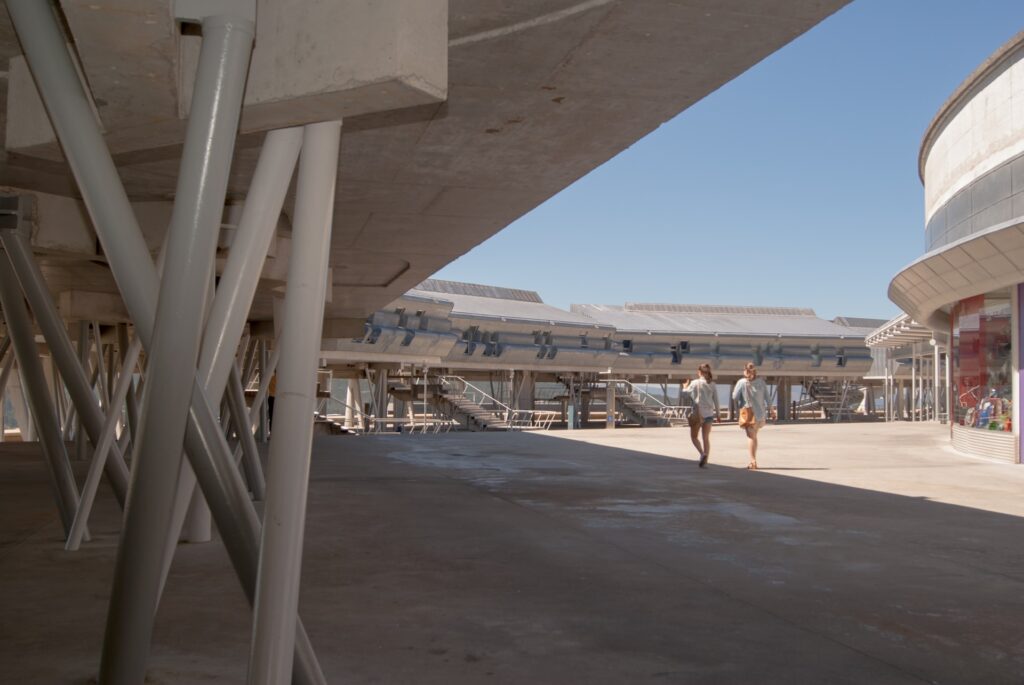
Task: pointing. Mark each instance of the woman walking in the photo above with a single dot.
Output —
(705, 411)
(751, 394)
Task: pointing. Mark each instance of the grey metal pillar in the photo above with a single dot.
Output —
(83, 359)
(131, 399)
(19, 327)
(34, 286)
(174, 350)
(130, 262)
(250, 455)
(5, 375)
(609, 401)
(277, 593)
(103, 446)
(350, 399)
(263, 433)
(237, 286)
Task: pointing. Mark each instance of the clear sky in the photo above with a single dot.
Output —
(807, 162)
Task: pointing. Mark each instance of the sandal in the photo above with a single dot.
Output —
(752, 466)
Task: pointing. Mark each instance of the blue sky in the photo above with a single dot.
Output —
(807, 163)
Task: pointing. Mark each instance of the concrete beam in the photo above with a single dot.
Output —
(312, 62)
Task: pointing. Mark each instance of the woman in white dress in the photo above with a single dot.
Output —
(704, 393)
(752, 392)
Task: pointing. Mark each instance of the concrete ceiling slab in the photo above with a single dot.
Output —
(541, 92)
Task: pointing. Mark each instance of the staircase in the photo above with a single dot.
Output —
(471, 407)
(643, 409)
(835, 397)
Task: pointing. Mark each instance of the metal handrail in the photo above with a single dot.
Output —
(515, 419)
(666, 410)
(507, 413)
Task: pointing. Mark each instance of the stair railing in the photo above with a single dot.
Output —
(515, 419)
(650, 401)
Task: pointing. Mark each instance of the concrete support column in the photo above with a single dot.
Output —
(524, 387)
(277, 587)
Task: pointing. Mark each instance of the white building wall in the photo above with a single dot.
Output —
(986, 131)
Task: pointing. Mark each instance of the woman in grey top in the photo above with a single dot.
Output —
(751, 391)
(705, 400)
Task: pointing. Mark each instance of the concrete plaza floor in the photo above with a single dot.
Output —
(863, 553)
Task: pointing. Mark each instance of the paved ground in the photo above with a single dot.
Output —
(862, 554)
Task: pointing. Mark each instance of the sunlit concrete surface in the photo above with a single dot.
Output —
(859, 554)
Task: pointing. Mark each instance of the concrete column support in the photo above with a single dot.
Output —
(277, 593)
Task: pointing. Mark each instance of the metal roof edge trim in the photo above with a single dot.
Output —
(924, 311)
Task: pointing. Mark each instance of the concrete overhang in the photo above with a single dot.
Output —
(539, 93)
(976, 264)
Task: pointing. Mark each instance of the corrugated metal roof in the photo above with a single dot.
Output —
(435, 285)
(715, 309)
(859, 322)
(494, 308)
(709, 323)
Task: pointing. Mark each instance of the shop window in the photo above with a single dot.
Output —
(982, 362)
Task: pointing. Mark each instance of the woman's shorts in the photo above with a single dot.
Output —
(709, 420)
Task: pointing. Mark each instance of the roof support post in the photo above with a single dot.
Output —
(137, 280)
(33, 382)
(277, 592)
(122, 387)
(263, 361)
(250, 455)
(238, 282)
(69, 364)
(174, 348)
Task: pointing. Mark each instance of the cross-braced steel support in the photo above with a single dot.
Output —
(277, 598)
(136, 277)
(33, 382)
(174, 349)
(250, 455)
(71, 369)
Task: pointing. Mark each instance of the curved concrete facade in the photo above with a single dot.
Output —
(979, 128)
(967, 286)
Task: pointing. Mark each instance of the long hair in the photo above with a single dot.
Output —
(750, 371)
(705, 370)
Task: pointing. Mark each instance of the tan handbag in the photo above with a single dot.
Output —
(695, 419)
(747, 411)
(746, 417)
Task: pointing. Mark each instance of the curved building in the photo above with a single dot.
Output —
(967, 286)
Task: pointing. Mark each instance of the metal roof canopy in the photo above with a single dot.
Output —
(716, 320)
(990, 260)
(899, 332)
